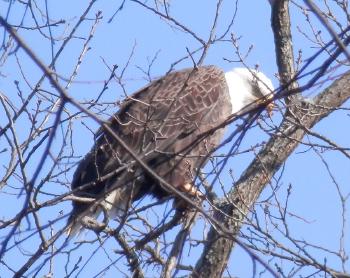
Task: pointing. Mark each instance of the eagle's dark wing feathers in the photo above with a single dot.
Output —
(159, 123)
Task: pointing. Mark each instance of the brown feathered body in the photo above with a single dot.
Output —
(161, 124)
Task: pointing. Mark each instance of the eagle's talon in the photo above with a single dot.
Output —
(192, 191)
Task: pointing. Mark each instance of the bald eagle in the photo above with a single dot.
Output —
(161, 124)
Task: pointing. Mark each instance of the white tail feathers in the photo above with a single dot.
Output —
(114, 205)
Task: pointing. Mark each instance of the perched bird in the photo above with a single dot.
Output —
(161, 124)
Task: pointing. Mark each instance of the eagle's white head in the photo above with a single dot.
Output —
(248, 88)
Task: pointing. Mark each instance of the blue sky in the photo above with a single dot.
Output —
(138, 31)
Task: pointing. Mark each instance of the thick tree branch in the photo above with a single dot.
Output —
(261, 170)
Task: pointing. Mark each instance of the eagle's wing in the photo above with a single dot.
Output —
(158, 123)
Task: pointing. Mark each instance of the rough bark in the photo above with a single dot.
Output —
(280, 23)
(248, 188)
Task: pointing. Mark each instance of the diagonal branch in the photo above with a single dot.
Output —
(248, 188)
